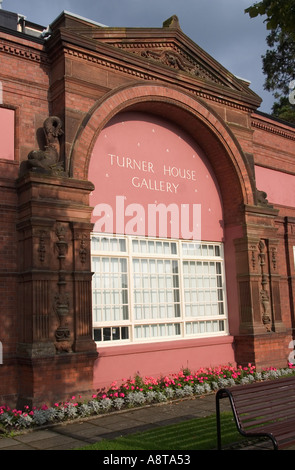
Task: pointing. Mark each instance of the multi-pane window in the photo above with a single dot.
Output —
(154, 290)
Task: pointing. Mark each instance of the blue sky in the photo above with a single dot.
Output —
(220, 27)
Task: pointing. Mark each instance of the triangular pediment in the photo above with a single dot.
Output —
(167, 50)
(170, 47)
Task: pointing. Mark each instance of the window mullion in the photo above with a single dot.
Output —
(181, 290)
(131, 288)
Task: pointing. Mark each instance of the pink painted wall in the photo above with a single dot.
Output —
(149, 162)
(173, 170)
(156, 359)
(7, 134)
(279, 186)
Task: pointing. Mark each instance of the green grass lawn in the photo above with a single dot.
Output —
(194, 434)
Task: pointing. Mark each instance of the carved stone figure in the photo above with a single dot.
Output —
(264, 294)
(172, 22)
(262, 198)
(266, 320)
(62, 334)
(47, 160)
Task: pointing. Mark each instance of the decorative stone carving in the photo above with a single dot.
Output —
(176, 61)
(262, 199)
(62, 299)
(264, 295)
(61, 244)
(62, 334)
(253, 256)
(83, 248)
(274, 257)
(172, 22)
(42, 247)
(47, 160)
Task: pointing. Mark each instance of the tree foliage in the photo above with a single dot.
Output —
(279, 61)
(279, 14)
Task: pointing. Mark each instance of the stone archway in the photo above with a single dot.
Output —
(202, 123)
(247, 219)
(194, 116)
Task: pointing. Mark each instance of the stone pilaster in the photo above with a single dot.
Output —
(258, 276)
(55, 284)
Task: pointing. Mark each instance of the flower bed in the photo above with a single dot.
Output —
(139, 391)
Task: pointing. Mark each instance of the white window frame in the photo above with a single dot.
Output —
(194, 323)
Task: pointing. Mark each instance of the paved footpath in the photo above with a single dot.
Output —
(75, 434)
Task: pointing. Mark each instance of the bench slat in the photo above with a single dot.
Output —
(264, 421)
(263, 409)
(271, 405)
(266, 416)
(270, 383)
(287, 391)
(280, 432)
(256, 404)
(267, 385)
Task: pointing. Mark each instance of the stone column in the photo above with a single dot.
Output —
(56, 351)
(263, 337)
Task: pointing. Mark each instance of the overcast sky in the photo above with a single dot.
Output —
(220, 27)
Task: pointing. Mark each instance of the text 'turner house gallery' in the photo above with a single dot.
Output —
(147, 210)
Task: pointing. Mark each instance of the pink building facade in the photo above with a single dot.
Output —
(148, 211)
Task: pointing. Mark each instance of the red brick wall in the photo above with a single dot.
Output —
(8, 278)
(25, 82)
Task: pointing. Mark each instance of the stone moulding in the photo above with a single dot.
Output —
(267, 127)
(190, 85)
(24, 52)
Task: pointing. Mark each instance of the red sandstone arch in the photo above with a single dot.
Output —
(193, 115)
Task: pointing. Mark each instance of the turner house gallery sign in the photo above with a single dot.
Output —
(150, 188)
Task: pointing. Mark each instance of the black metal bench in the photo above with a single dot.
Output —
(262, 409)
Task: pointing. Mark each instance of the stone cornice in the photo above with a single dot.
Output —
(24, 52)
(108, 56)
(273, 127)
(23, 48)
